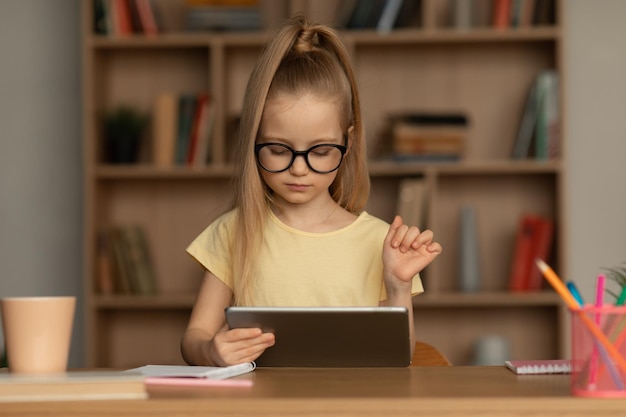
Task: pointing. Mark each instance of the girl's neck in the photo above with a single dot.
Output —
(315, 218)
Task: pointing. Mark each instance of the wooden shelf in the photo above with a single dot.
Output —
(144, 302)
(442, 300)
(376, 169)
(356, 37)
(482, 72)
(487, 300)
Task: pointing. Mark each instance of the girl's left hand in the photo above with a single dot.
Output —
(407, 251)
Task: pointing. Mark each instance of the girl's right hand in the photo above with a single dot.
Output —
(234, 346)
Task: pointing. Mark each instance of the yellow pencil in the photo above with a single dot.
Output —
(561, 289)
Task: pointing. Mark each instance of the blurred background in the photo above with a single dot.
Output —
(41, 248)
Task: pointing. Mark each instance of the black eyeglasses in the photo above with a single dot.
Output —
(278, 157)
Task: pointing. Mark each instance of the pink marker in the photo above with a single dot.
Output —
(593, 364)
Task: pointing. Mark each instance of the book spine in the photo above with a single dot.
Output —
(164, 128)
(542, 244)
(521, 148)
(198, 119)
(389, 16)
(547, 127)
(463, 14)
(186, 108)
(522, 254)
(501, 13)
(146, 16)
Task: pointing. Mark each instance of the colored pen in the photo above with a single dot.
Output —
(593, 361)
(622, 297)
(575, 293)
(560, 288)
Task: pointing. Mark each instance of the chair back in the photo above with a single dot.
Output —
(426, 355)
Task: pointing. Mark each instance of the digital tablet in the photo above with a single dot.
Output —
(329, 336)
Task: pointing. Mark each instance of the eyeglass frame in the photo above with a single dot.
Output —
(305, 154)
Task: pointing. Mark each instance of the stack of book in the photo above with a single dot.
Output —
(125, 265)
(428, 137)
(182, 128)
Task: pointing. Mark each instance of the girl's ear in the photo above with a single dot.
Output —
(350, 137)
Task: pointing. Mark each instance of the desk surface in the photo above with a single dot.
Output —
(441, 391)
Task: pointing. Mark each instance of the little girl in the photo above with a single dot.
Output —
(297, 234)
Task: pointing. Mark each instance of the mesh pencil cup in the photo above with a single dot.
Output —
(599, 351)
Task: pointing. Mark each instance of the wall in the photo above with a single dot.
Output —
(595, 62)
(40, 168)
(40, 157)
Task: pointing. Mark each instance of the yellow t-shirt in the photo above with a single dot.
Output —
(339, 268)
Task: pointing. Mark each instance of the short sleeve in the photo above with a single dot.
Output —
(211, 248)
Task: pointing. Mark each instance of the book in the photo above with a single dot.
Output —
(550, 118)
(223, 15)
(522, 255)
(389, 16)
(540, 367)
(429, 136)
(501, 14)
(541, 248)
(137, 254)
(147, 17)
(410, 15)
(178, 371)
(411, 204)
(469, 259)
(205, 133)
(547, 142)
(543, 13)
(462, 14)
(100, 26)
(131, 265)
(164, 129)
(202, 102)
(534, 240)
(70, 386)
(119, 263)
(186, 111)
(366, 14)
(527, 9)
(122, 17)
(521, 148)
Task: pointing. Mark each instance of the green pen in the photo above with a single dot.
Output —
(622, 297)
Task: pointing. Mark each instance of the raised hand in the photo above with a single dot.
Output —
(407, 251)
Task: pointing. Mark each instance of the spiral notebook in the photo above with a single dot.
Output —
(540, 367)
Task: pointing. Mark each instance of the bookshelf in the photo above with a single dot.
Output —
(481, 71)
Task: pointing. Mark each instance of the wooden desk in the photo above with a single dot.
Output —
(426, 391)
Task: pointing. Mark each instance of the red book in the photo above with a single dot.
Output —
(122, 13)
(542, 244)
(522, 254)
(501, 13)
(146, 16)
(198, 117)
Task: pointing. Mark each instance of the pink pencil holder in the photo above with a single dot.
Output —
(599, 356)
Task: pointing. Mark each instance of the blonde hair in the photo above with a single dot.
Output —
(300, 58)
